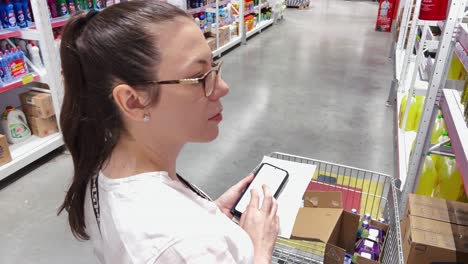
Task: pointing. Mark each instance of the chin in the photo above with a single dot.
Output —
(208, 136)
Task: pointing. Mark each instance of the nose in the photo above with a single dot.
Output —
(221, 90)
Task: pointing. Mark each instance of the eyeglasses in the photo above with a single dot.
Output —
(209, 79)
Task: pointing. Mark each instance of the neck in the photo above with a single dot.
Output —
(132, 157)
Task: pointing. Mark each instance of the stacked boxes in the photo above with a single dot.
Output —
(40, 113)
(224, 35)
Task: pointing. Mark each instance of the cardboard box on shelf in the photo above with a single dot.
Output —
(211, 42)
(43, 127)
(323, 220)
(37, 104)
(438, 209)
(430, 241)
(5, 155)
(224, 35)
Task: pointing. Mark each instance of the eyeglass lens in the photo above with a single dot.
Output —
(211, 81)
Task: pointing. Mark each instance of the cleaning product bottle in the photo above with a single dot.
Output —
(418, 108)
(22, 59)
(404, 102)
(3, 74)
(7, 58)
(437, 129)
(26, 11)
(35, 55)
(450, 181)
(23, 43)
(440, 160)
(78, 5)
(20, 17)
(71, 6)
(62, 8)
(429, 180)
(15, 125)
(53, 8)
(10, 14)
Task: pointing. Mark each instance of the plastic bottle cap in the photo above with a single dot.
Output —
(451, 158)
(428, 154)
(445, 133)
(439, 116)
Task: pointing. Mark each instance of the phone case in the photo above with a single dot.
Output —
(276, 194)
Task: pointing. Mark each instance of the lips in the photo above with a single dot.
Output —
(217, 117)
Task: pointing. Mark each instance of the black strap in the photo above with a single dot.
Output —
(95, 200)
(95, 196)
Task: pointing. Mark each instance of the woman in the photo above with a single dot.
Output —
(140, 83)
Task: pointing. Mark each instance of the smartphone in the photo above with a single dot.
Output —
(275, 178)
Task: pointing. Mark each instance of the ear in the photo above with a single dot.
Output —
(131, 103)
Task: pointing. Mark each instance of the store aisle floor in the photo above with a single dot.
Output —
(314, 85)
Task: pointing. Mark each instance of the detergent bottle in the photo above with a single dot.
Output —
(402, 109)
(10, 14)
(450, 181)
(437, 129)
(429, 179)
(418, 108)
(62, 8)
(440, 160)
(15, 125)
(21, 19)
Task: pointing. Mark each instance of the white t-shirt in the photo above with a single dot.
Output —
(150, 218)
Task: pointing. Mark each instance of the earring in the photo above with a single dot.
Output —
(146, 118)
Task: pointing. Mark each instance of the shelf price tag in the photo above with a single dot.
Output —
(28, 79)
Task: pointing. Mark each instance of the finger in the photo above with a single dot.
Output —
(274, 208)
(242, 184)
(267, 200)
(242, 218)
(253, 199)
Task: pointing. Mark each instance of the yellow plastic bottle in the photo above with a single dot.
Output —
(429, 179)
(412, 113)
(402, 109)
(418, 109)
(450, 181)
(440, 160)
(437, 129)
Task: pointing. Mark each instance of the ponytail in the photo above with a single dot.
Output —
(97, 52)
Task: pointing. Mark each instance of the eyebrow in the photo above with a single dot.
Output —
(203, 61)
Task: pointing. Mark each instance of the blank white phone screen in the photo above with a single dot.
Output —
(268, 175)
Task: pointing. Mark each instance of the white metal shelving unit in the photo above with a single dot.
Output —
(407, 80)
(34, 148)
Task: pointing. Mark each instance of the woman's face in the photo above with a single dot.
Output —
(182, 110)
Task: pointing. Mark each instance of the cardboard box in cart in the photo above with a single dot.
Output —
(323, 220)
(435, 231)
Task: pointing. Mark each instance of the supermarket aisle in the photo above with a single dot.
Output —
(314, 85)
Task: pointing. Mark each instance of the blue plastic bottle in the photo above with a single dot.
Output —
(6, 62)
(20, 17)
(22, 57)
(3, 73)
(10, 13)
(26, 11)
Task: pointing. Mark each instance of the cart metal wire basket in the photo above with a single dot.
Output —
(366, 191)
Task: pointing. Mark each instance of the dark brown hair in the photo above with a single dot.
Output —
(97, 52)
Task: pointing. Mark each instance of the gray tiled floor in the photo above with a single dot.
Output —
(314, 85)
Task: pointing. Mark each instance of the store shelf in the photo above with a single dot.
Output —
(19, 82)
(9, 33)
(236, 40)
(25, 153)
(197, 10)
(452, 111)
(420, 85)
(59, 21)
(405, 141)
(261, 6)
(260, 26)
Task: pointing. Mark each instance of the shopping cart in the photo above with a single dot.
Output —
(373, 192)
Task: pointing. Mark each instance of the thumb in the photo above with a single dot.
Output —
(241, 185)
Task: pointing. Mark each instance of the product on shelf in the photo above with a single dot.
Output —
(224, 35)
(429, 178)
(434, 231)
(52, 8)
(43, 127)
(451, 183)
(414, 113)
(439, 160)
(439, 127)
(15, 125)
(21, 17)
(5, 155)
(12, 64)
(8, 14)
(211, 40)
(62, 7)
(37, 104)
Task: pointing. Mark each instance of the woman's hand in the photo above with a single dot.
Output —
(226, 201)
(262, 225)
